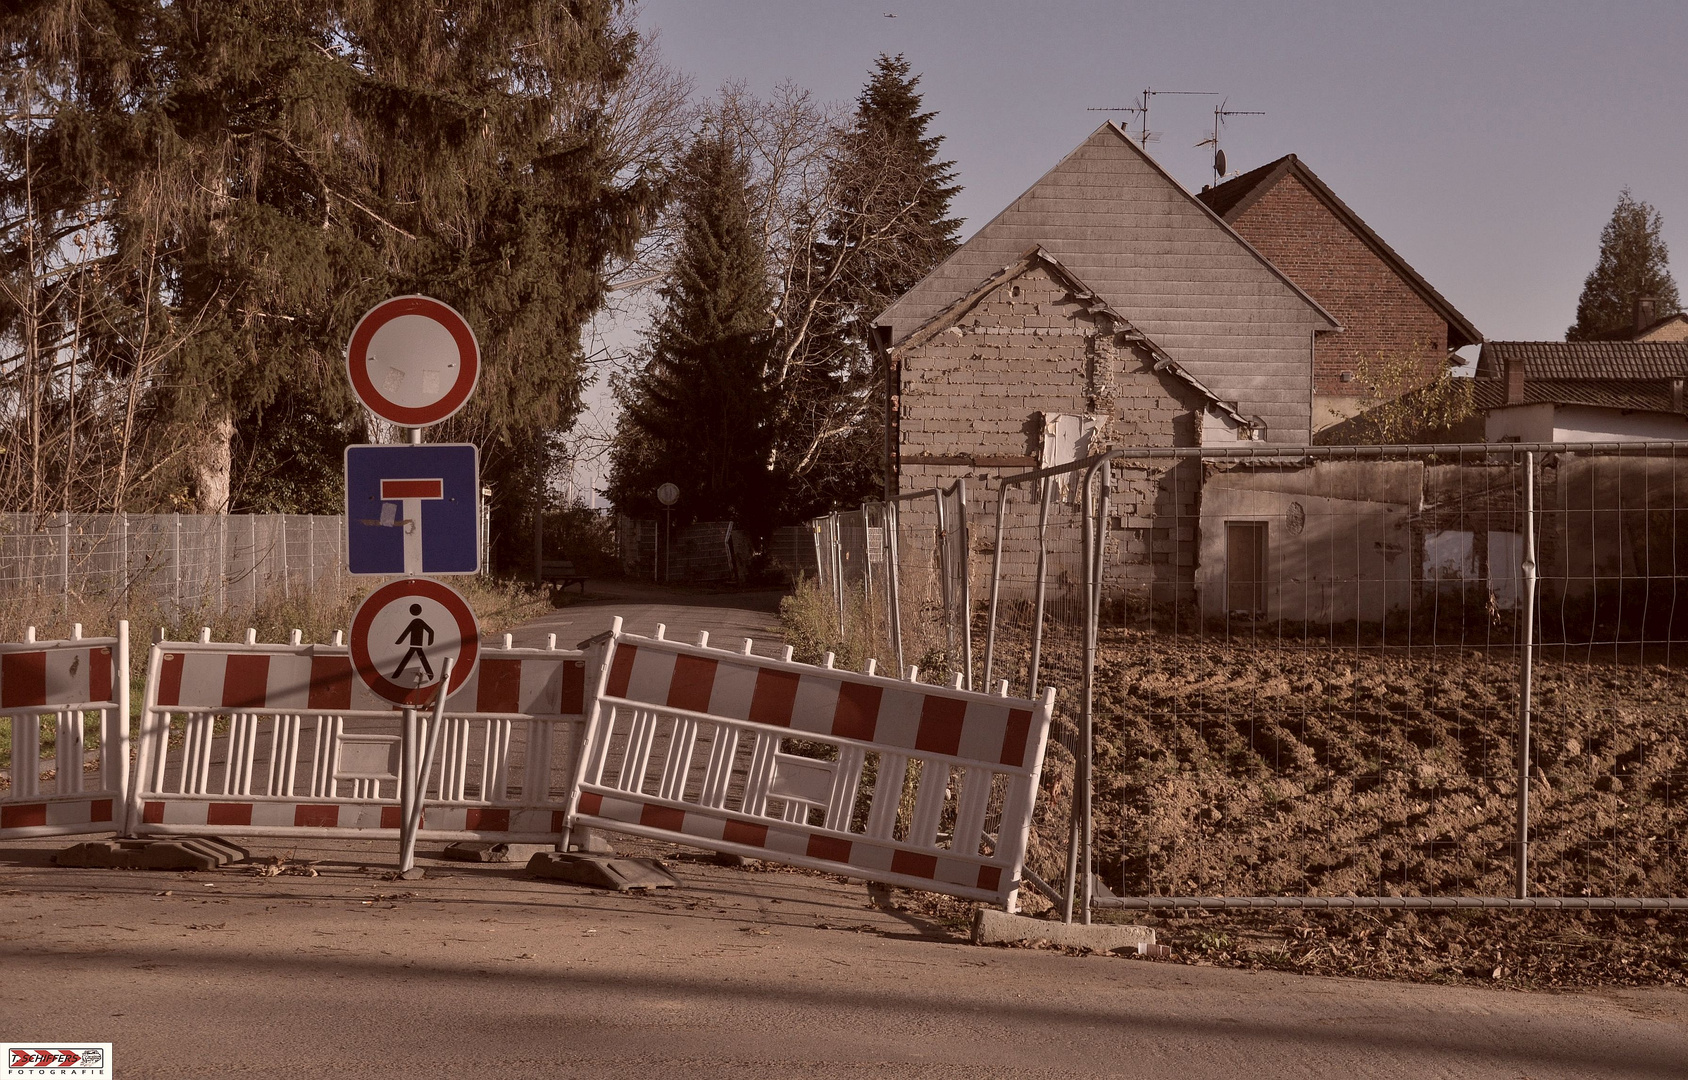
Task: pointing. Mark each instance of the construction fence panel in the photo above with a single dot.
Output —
(68, 700)
(898, 782)
(211, 563)
(284, 740)
(1385, 672)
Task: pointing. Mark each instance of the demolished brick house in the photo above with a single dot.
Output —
(1109, 296)
(1109, 301)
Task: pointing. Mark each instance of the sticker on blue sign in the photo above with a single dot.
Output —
(413, 509)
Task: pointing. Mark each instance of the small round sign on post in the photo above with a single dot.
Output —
(668, 494)
(403, 632)
(413, 360)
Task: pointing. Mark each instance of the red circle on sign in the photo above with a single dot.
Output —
(446, 597)
(468, 354)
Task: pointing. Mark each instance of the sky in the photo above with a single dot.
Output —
(1486, 142)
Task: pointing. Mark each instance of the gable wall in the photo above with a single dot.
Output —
(970, 405)
(1164, 263)
(1381, 314)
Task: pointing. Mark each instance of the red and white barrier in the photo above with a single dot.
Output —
(808, 765)
(284, 740)
(48, 691)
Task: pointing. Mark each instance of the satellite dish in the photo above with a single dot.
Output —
(1219, 162)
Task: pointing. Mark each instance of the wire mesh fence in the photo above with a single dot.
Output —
(1330, 672)
(185, 562)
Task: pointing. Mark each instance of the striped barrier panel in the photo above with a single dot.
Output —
(285, 740)
(56, 694)
(810, 766)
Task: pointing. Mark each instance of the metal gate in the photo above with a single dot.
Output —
(284, 740)
(905, 783)
(66, 696)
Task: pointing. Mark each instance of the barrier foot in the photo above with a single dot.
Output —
(601, 871)
(180, 853)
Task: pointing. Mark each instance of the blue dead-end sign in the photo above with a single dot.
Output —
(413, 509)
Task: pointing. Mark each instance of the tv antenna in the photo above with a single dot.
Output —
(1220, 113)
(1141, 109)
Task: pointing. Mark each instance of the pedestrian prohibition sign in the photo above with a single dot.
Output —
(402, 634)
(413, 360)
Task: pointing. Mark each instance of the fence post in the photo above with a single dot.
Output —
(996, 580)
(1527, 635)
(123, 526)
(892, 579)
(176, 563)
(944, 593)
(836, 528)
(1042, 579)
(965, 543)
(64, 560)
(286, 586)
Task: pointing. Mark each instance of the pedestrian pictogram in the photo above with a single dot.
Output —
(418, 634)
(413, 360)
(403, 634)
(413, 509)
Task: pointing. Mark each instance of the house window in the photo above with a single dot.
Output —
(1245, 567)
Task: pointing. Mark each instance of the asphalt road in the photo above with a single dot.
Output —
(477, 971)
(730, 617)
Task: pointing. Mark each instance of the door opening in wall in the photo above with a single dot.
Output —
(1245, 567)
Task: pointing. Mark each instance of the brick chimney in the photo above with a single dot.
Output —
(1645, 309)
(1515, 380)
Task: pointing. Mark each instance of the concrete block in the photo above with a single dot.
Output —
(177, 853)
(992, 927)
(601, 871)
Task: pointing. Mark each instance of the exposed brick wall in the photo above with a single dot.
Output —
(1380, 313)
(979, 389)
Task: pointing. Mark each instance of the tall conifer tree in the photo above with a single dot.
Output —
(696, 414)
(265, 170)
(1634, 263)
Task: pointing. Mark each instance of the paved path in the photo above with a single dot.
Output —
(730, 617)
(477, 972)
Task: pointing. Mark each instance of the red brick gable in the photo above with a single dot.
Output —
(1380, 311)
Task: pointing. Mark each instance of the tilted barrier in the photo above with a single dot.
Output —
(57, 694)
(285, 740)
(904, 783)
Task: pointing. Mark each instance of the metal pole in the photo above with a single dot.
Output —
(891, 529)
(996, 580)
(407, 790)
(1042, 579)
(965, 544)
(64, 560)
(1087, 718)
(944, 591)
(413, 814)
(286, 583)
(176, 564)
(1075, 822)
(1527, 636)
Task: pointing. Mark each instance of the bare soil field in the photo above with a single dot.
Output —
(1245, 770)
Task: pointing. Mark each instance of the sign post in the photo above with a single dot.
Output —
(414, 510)
(667, 495)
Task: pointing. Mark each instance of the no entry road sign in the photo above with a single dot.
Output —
(413, 509)
(402, 634)
(413, 360)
